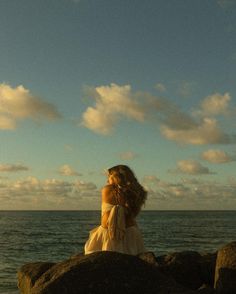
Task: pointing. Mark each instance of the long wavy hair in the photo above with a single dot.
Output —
(126, 186)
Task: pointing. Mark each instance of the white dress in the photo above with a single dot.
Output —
(116, 237)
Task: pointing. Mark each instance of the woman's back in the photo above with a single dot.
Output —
(109, 199)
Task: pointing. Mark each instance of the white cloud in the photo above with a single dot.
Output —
(33, 193)
(66, 170)
(13, 168)
(128, 155)
(112, 103)
(191, 167)
(191, 194)
(217, 156)
(215, 104)
(160, 87)
(18, 103)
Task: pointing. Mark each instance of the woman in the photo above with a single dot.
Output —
(122, 199)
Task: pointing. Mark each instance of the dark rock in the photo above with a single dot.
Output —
(30, 273)
(206, 289)
(103, 272)
(207, 268)
(184, 267)
(149, 257)
(225, 272)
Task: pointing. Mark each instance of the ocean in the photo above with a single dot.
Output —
(29, 236)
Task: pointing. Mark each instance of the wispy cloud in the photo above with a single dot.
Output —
(13, 168)
(127, 155)
(191, 167)
(217, 156)
(67, 170)
(112, 104)
(198, 126)
(18, 103)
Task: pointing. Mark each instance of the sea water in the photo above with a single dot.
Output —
(29, 236)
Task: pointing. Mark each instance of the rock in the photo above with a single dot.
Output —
(149, 257)
(225, 272)
(101, 272)
(206, 289)
(207, 268)
(30, 273)
(184, 267)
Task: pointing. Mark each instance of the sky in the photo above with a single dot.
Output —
(89, 84)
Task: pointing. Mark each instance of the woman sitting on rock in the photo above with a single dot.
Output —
(122, 199)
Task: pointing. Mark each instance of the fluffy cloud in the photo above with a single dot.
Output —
(190, 194)
(128, 155)
(112, 103)
(18, 103)
(12, 168)
(196, 127)
(215, 104)
(39, 194)
(217, 156)
(191, 167)
(66, 170)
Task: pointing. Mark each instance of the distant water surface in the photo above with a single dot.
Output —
(28, 236)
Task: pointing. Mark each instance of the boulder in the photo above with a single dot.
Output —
(225, 271)
(30, 273)
(101, 272)
(184, 267)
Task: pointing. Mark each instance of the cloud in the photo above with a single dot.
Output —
(128, 155)
(160, 87)
(205, 132)
(191, 167)
(215, 104)
(13, 168)
(190, 194)
(33, 193)
(66, 170)
(112, 103)
(217, 156)
(18, 104)
(197, 126)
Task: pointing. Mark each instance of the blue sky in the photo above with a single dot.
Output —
(85, 85)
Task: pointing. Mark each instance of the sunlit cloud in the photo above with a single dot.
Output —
(35, 193)
(217, 156)
(112, 104)
(215, 104)
(13, 168)
(18, 104)
(127, 155)
(67, 170)
(206, 131)
(191, 167)
(190, 194)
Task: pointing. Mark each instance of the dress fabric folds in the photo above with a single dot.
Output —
(116, 237)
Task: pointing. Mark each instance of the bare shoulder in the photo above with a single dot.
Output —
(107, 193)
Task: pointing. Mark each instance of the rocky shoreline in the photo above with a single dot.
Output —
(111, 272)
